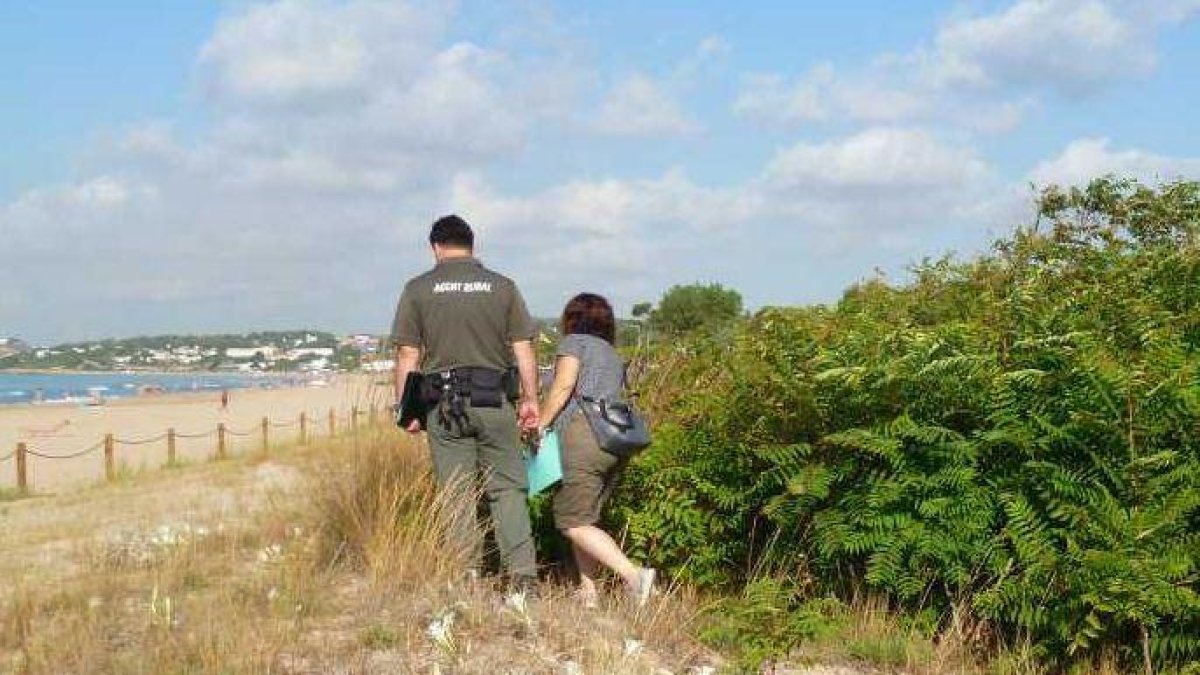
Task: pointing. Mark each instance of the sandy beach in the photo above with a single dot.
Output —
(138, 423)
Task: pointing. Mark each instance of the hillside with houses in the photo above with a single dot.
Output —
(272, 351)
(11, 346)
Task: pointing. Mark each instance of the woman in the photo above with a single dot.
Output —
(587, 365)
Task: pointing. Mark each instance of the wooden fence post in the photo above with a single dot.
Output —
(110, 458)
(303, 428)
(171, 446)
(22, 475)
(221, 440)
(332, 423)
(266, 444)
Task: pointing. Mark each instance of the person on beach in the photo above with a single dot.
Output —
(463, 327)
(587, 365)
(224, 400)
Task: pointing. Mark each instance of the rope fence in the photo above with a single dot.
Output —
(307, 425)
(143, 441)
(69, 455)
(206, 434)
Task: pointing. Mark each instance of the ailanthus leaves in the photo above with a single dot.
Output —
(1018, 435)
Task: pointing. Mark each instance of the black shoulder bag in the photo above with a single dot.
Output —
(619, 429)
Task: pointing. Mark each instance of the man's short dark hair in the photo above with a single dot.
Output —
(452, 231)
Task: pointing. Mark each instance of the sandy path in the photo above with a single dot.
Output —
(65, 430)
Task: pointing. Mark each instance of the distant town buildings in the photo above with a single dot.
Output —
(366, 344)
(257, 351)
(379, 365)
(10, 346)
(302, 352)
(281, 351)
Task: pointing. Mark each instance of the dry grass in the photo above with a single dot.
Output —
(307, 562)
(377, 509)
(379, 512)
(162, 576)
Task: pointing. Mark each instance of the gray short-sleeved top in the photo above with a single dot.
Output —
(601, 371)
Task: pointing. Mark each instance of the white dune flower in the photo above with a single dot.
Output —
(270, 553)
(440, 630)
(632, 647)
(517, 602)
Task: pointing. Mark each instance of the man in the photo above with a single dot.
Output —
(463, 326)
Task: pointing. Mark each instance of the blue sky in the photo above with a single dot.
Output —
(228, 166)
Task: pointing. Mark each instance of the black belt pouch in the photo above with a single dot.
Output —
(487, 388)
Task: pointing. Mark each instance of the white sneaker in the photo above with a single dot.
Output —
(641, 592)
(588, 600)
(517, 602)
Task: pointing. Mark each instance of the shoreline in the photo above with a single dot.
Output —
(122, 387)
(71, 371)
(183, 395)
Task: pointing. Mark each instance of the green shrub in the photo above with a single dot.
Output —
(1013, 437)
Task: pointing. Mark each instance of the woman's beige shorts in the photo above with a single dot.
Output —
(589, 476)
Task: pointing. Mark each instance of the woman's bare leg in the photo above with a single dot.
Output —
(602, 549)
(589, 569)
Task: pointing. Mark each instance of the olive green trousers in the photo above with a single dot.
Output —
(482, 454)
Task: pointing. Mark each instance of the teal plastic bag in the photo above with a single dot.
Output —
(544, 467)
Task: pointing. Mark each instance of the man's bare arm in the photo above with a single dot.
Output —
(527, 366)
(527, 410)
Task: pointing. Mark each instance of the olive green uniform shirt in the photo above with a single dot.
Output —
(462, 314)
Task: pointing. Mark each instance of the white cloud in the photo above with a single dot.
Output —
(713, 46)
(860, 177)
(292, 52)
(771, 98)
(335, 127)
(102, 192)
(609, 208)
(874, 161)
(981, 73)
(11, 301)
(1088, 158)
(1074, 46)
(709, 53)
(830, 210)
(1168, 11)
(638, 106)
(365, 88)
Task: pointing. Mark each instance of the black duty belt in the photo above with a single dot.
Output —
(454, 389)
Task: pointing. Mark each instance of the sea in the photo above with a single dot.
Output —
(52, 388)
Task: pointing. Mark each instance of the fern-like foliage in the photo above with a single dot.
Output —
(1014, 437)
